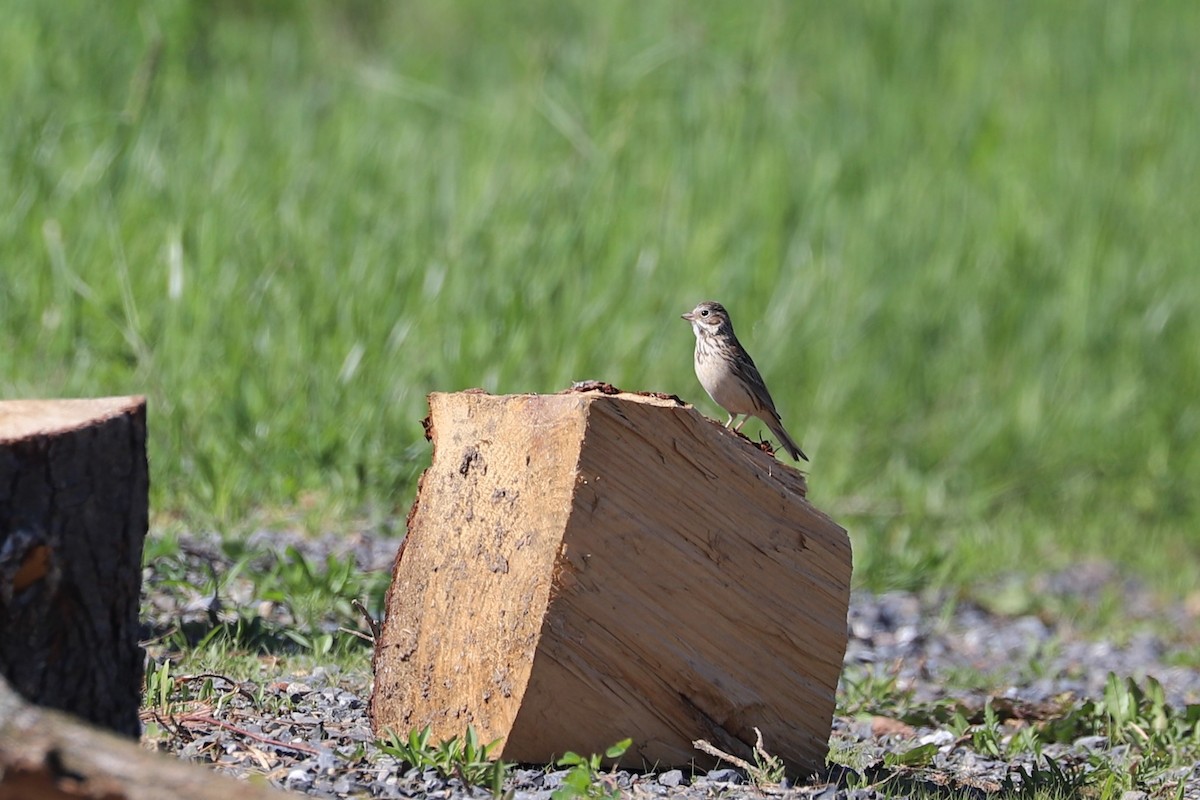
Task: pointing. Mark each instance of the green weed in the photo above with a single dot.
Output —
(462, 757)
(584, 779)
(1152, 745)
(159, 687)
(1047, 779)
(872, 690)
(307, 614)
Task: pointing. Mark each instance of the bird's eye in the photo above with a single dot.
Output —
(704, 313)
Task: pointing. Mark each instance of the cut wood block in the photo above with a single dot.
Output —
(585, 567)
(73, 517)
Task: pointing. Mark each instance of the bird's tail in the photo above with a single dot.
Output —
(789, 445)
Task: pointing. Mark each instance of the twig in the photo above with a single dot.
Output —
(174, 730)
(155, 640)
(704, 746)
(372, 623)
(366, 637)
(768, 770)
(237, 687)
(205, 719)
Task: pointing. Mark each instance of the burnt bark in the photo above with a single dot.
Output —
(73, 518)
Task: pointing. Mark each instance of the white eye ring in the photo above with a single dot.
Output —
(704, 313)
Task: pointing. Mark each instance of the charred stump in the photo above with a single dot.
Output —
(73, 517)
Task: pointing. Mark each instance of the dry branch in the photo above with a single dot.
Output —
(47, 755)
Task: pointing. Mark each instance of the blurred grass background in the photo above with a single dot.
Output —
(960, 240)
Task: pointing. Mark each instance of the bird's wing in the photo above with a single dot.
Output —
(748, 373)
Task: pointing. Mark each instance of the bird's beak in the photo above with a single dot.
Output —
(689, 316)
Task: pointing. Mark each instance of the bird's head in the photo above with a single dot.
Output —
(709, 318)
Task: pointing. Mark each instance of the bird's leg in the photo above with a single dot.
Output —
(729, 421)
(738, 427)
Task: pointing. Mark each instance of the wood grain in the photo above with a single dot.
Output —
(585, 567)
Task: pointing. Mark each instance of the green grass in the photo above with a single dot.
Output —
(279, 605)
(959, 238)
(1151, 746)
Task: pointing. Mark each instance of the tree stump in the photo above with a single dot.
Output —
(73, 517)
(46, 755)
(584, 567)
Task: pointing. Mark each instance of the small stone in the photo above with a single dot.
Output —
(527, 778)
(360, 735)
(906, 634)
(828, 793)
(553, 780)
(300, 718)
(1134, 794)
(297, 777)
(938, 738)
(1091, 743)
(725, 776)
(672, 777)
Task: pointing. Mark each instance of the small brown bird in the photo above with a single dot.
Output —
(728, 374)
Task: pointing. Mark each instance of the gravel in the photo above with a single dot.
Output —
(310, 733)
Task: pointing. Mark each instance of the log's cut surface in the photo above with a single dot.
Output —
(47, 755)
(73, 517)
(580, 568)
